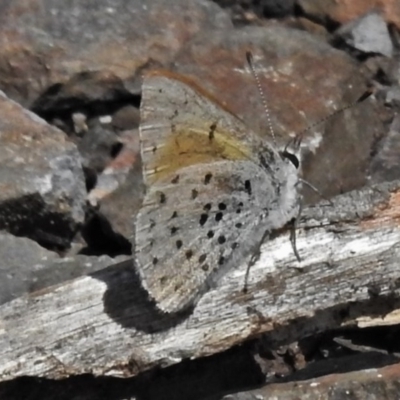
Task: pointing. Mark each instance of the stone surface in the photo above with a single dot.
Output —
(393, 96)
(56, 271)
(276, 8)
(385, 165)
(26, 267)
(342, 11)
(20, 258)
(122, 204)
(98, 146)
(126, 118)
(42, 185)
(119, 189)
(263, 8)
(374, 384)
(368, 34)
(44, 43)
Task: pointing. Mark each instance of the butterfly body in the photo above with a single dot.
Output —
(213, 189)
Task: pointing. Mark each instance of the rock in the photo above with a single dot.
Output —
(118, 171)
(20, 258)
(276, 8)
(43, 190)
(393, 96)
(118, 192)
(263, 8)
(45, 43)
(343, 11)
(101, 238)
(60, 270)
(126, 118)
(79, 120)
(368, 34)
(384, 70)
(377, 382)
(26, 267)
(98, 146)
(385, 164)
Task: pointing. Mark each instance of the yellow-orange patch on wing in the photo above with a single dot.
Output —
(193, 145)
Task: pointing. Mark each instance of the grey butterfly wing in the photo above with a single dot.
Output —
(197, 155)
(207, 220)
(177, 123)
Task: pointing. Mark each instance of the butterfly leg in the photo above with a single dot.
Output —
(254, 258)
(316, 190)
(257, 252)
(293, 233)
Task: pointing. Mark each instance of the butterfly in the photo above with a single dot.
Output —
(214, 190)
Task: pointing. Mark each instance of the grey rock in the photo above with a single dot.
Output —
(43, 191)
(26, 267)
(96, 147)
(385, 166)
(393, 95)
(20, 259)
(60, 270)
(368, 34)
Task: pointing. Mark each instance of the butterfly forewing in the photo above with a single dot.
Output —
(181, 127)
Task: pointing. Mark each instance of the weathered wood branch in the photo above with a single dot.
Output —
(103, 323)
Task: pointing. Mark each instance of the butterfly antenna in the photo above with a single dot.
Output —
(363, 97)
(249, 58)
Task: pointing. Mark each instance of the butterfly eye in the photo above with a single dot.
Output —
(291, 157)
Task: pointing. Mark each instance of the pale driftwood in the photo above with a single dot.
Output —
(102, 324)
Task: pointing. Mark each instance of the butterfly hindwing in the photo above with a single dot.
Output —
(203, 222)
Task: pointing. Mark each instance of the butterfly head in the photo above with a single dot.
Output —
(291, 152)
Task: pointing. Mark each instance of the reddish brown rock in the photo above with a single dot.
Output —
(46, 42)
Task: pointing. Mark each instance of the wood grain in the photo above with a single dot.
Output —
(104, 324)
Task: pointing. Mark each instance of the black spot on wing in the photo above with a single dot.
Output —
(247, 187)
(162, 198)
(211, 132)
(203, 219)
(207, 178)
